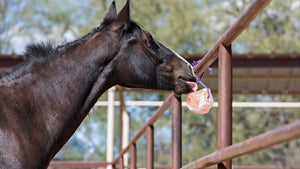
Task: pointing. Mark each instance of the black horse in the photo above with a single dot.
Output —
(44, 99)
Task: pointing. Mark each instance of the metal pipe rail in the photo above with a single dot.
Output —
(234, 104)
(77, 164)
(280, 135)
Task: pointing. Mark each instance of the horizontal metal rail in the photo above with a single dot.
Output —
(94, 164)
(77, 164)
(234, 104)
(262, 167)
(280, 135)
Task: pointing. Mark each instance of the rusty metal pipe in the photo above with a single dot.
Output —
(224, 101)
(121, 162)
(133, 156)
(274, 137)
(232, 33)
(150, 147)
(176, 132)
(81, 164)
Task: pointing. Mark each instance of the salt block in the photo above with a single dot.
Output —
(198, 101)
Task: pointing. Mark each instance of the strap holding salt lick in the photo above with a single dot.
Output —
(200, 101)
(194, 63)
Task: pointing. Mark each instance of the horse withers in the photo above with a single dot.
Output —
(44, 99)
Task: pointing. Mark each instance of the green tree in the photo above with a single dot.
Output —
(14, 16)
(32, 20)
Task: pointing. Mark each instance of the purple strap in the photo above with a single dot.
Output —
(194, 63)
(199, 82)
(210, 70)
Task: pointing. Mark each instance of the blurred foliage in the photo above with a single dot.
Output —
(190, 26)
(187, 26)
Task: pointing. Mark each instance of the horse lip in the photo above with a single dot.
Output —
(190, 80)
(184, 86)
(193, 85)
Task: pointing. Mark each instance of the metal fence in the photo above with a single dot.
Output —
(226, 151)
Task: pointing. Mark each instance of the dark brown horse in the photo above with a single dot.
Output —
(44, 99)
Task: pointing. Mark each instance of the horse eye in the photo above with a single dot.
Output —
(150, 38)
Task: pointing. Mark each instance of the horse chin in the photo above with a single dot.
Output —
(183, 87)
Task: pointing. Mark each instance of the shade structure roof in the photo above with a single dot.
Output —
(270, 73)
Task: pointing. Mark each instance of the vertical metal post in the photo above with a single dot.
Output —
(176, 132)
(110, 127)
(224, 101)
(121, 162)
(122, 107)
(133, 156)
(123, 126)
(150, 147)
(125, 135)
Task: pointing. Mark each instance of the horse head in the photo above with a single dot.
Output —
(139, 60)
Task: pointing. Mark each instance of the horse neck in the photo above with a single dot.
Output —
(67, 87)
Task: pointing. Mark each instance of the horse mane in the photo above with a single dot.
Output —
(40, 50)
(37, 53)
(43, 50)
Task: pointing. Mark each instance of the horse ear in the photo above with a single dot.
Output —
(112, 14)
(123, 18)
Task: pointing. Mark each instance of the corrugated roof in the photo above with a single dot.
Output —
(260, 80)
